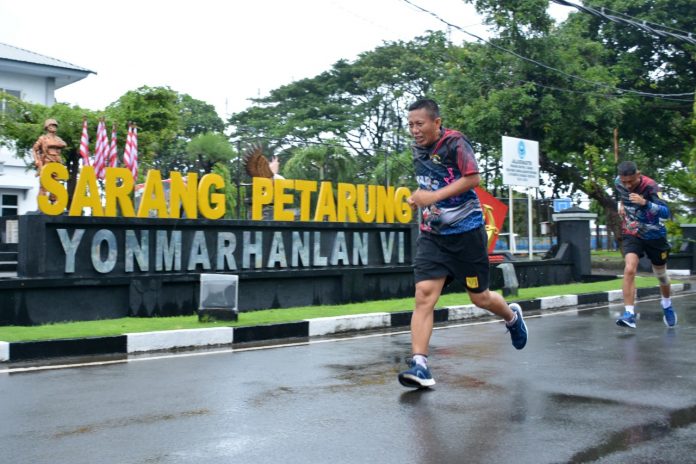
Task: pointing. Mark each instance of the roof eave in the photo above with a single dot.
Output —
(63, 75)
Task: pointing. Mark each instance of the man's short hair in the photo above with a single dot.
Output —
(429, 105)
(627, 168)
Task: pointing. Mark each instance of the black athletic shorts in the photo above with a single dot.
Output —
(656, 249)
(460, 257)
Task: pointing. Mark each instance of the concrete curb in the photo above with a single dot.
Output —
(4, 351)
(333, 325)
(231, 336)
(171, 339)
(560, 301)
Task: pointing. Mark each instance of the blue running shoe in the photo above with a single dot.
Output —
(627, 320)
(518, 330)
(416, 376)
(670, 317)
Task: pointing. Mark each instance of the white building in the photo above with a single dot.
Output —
(33, 78)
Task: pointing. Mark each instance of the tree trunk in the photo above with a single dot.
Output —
(609, 205)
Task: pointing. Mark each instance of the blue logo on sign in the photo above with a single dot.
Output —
(559, 204)
(521, 150)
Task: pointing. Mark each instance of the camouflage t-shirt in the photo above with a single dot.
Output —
(440, 164)
(643, 221)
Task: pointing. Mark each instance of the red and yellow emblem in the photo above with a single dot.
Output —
(494, 212)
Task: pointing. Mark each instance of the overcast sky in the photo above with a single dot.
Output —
(221, 52)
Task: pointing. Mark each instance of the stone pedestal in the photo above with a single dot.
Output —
(218, 297)
(573, 228)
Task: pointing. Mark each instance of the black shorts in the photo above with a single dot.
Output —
(656, 249)
(460, 257)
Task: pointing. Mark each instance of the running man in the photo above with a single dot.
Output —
(641, 208)
(452, 243)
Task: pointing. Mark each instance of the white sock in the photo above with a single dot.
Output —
(666, 302)
(420, 359)
(512, 321)
(630, 309)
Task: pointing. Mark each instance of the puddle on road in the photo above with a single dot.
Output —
(566, 400)
(467, 381)
(127, 421)
(363, 375)
(625, 439)
(267, 396)
(348, 376)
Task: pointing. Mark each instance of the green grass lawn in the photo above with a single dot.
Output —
(605, 259)
(606, 254)
(111, 327)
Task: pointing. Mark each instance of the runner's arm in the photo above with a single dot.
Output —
(652, 202)
(424, 198)
(657, 206)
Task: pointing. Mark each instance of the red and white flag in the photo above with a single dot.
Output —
(127, 147)
(84, 144)
(134, 153)
(101, 149)
(113, 153)
(130, 152)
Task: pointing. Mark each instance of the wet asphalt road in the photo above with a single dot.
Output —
(583, 390)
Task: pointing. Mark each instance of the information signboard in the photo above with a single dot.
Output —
(520, 162)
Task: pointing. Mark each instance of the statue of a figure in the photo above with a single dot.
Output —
(47, 149)
(257, 165)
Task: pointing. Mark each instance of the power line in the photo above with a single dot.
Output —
(635, 22)
(599, 94)
(646, 22)
(616, 90)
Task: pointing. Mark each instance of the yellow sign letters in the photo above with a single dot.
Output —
(194, 197)
(348, 203)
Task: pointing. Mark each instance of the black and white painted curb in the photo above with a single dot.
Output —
(307, 329)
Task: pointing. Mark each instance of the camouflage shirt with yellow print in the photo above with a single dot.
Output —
(643, 221)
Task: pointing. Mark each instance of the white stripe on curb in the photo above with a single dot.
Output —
(457, 313)
(150, 341)
(549, 302)
(677, 287)
(331, 325)
(679, 272)
(615, 295)
(4, 351)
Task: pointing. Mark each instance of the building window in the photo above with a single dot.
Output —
(3, 101)
(8, 204)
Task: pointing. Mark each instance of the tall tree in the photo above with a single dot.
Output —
(569, 88)
(684, 180)
(167, 121)
(230, 190)
(208, 149)
(23, 123)
(327, 161)
(156, 112)
(197, 117)
(395, 168)
(360, 104)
